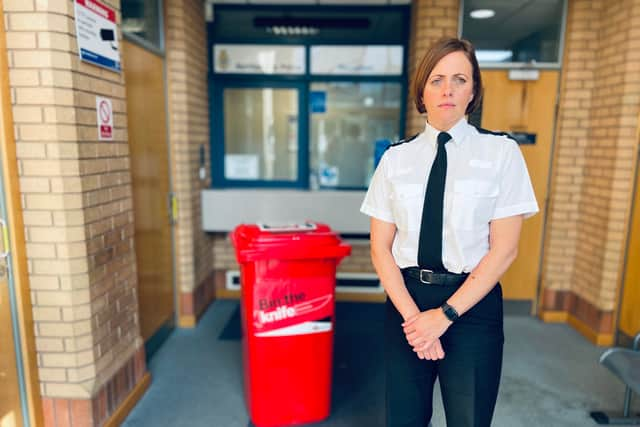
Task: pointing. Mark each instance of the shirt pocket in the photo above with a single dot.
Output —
(407, 205)
(473, 203)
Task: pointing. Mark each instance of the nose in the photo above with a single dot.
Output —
(447, 88)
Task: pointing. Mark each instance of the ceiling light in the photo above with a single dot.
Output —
(490, 55)
(482, 13)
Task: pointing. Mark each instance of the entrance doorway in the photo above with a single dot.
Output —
(525, 108)
(147, 129)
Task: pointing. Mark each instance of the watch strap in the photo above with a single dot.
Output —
(449, 312)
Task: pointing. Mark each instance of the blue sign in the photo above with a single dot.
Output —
(380, 147)
(318, 101)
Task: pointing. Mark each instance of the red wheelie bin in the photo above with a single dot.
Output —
(287, 306)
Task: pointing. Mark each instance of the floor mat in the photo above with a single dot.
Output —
(232, 330)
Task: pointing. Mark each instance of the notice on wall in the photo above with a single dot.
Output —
(97, 35)
(104, 111)
(241, 166)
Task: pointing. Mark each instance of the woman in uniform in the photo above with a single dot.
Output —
(446, 210)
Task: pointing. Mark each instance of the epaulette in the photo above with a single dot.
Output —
(490, 132)
(402, 141)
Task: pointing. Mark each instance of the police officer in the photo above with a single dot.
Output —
(446, 210)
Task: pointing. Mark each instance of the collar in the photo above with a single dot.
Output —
(457, 132)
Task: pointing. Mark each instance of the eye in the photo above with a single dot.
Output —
(460, 80)
(436, 81)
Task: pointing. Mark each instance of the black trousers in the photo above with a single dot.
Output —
(469, 374)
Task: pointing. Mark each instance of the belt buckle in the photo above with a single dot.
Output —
(425, 281)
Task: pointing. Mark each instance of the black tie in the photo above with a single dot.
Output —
(430, 243)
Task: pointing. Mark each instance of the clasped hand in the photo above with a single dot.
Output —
(423, 332)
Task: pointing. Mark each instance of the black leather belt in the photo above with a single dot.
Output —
(428, 277)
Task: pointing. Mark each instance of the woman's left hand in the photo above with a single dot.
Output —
(424, 328)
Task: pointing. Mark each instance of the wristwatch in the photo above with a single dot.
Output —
(449, 312)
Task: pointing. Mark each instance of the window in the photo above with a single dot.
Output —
(142, 21)
(304, 97)
(516, 31)
(347, 123)
(258, 59)
(261, 134)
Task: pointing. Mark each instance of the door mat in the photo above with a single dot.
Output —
(232, 330)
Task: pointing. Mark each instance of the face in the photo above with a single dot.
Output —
(448, 91)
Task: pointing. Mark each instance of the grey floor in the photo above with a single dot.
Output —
(551, 376)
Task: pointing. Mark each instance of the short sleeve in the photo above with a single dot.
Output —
(516, 196)
(377, 202)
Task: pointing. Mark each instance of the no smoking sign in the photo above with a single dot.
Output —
(104, 112)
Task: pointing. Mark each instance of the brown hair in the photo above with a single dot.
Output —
(436, 52)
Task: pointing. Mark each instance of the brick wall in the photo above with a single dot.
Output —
(430, 20)
(186, 49)
(595, 158)
(78, 218)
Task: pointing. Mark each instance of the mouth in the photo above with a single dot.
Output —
(446, 105)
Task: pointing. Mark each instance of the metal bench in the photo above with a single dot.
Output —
(625, 364)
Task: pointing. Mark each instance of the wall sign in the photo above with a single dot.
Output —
(104, 112)
(318, 100)
(96, 32)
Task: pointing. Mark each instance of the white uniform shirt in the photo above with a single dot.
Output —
(487, 179)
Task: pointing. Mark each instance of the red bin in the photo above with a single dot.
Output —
(287, 306)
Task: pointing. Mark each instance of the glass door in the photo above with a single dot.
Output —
(12, 410)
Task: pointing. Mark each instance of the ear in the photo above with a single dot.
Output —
(471, 97)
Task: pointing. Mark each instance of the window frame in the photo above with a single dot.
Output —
(146, 44)
(218, 82)
(523, 65)
(216, 94)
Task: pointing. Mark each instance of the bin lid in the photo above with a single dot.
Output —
(288, 239)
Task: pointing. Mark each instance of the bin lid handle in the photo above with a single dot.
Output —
(281, 228)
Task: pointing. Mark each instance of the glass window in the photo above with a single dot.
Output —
(261, 134)
(514, 31)
(142, 18)
(351, 124)
(356, 60)
(258, 59)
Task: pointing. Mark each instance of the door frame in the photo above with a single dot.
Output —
(15, 227)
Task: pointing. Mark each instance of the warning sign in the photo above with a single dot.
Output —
(97, 34)
(104, 112)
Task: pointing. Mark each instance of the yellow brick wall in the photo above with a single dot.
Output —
(187, 53)
(596, 148)
(430, 20)
(76, 197)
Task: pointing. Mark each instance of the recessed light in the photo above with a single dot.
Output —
(482, 13)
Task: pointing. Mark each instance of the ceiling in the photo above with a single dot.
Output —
(515, 20)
